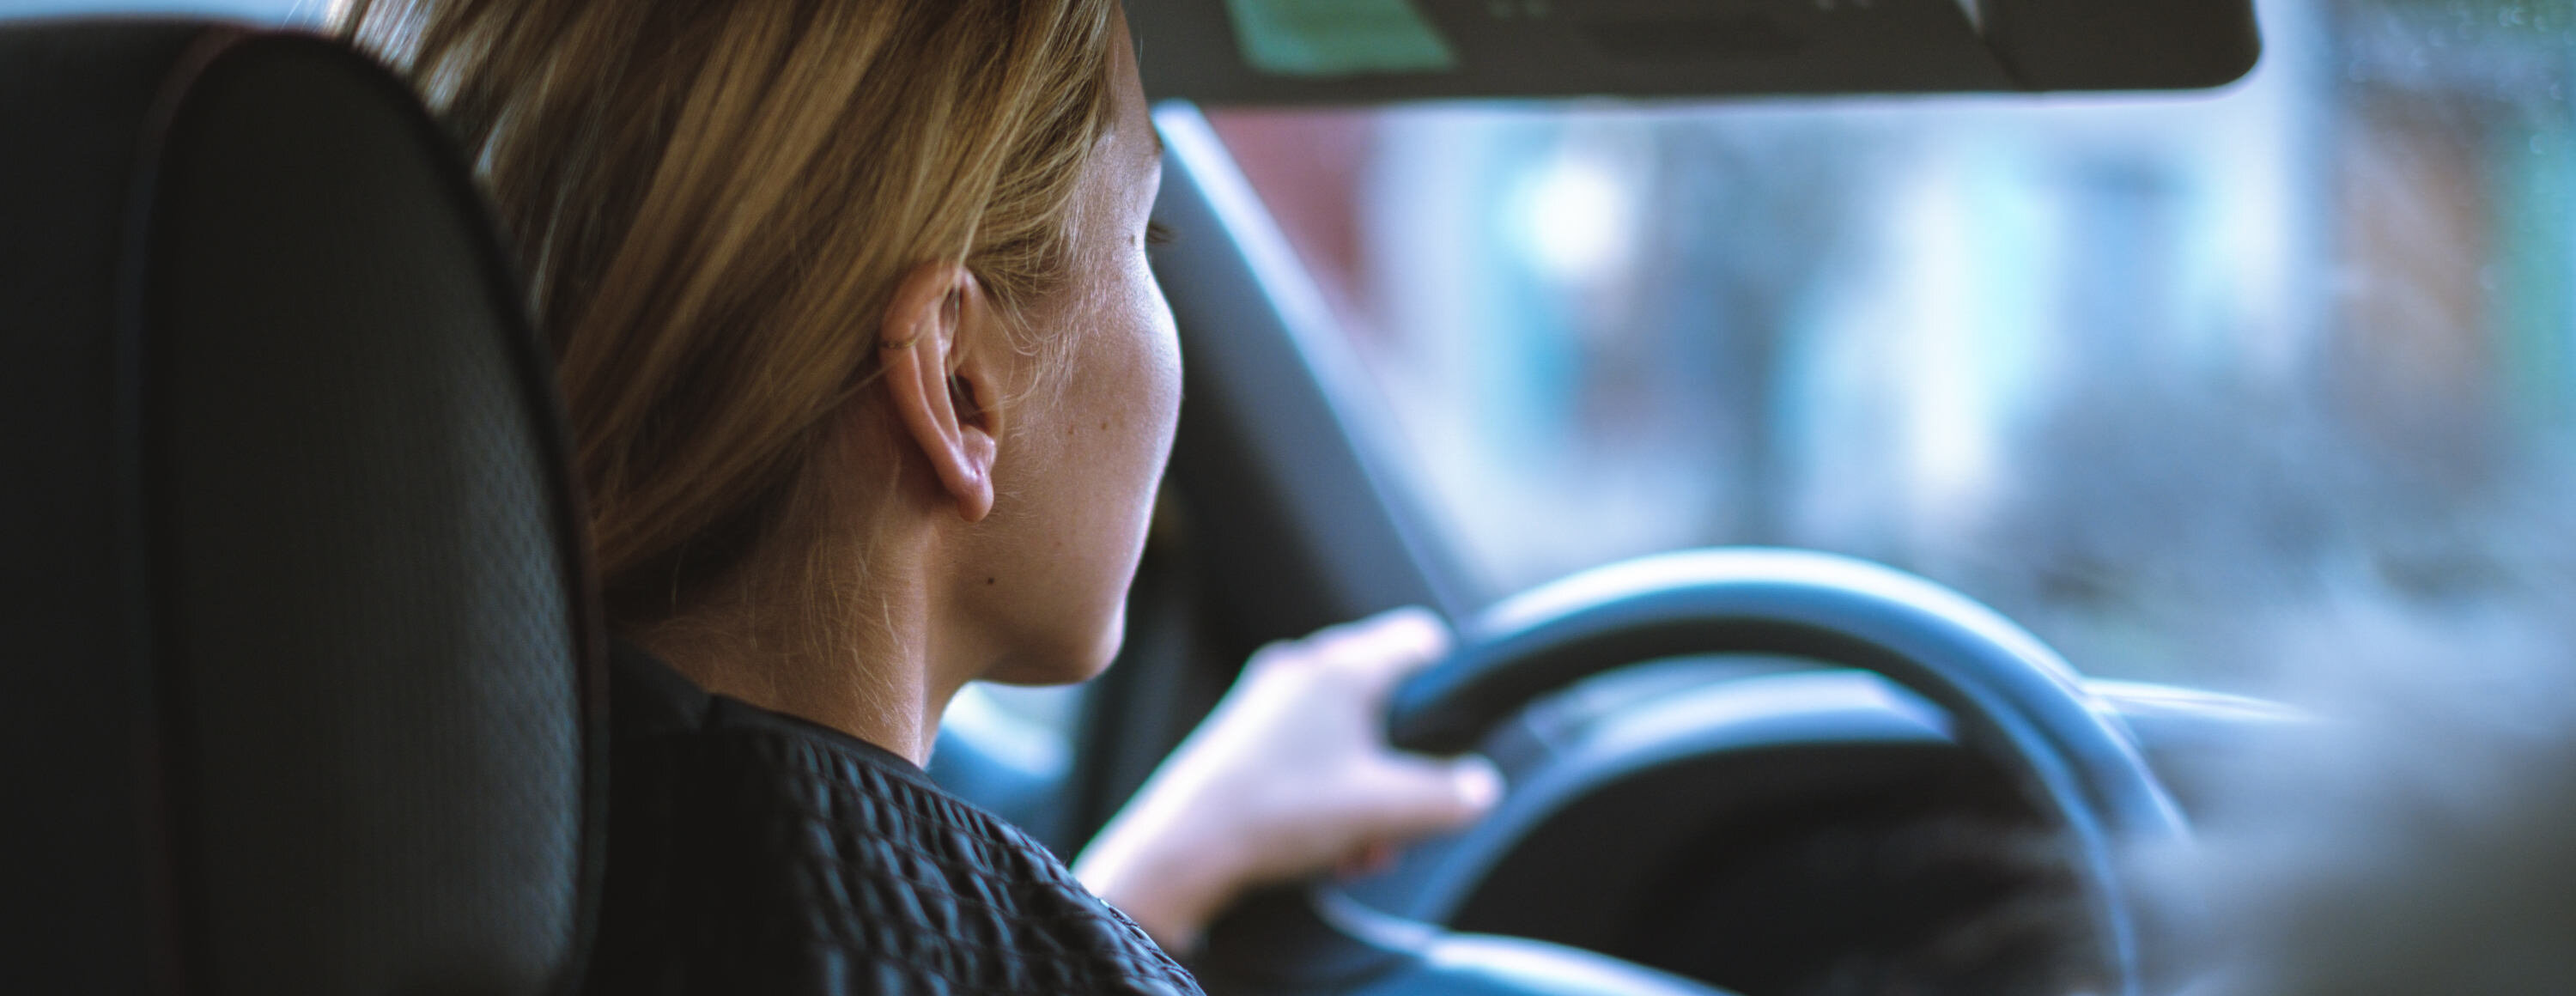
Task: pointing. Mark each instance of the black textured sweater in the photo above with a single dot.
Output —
(750, 852)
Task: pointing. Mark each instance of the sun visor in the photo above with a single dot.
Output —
(1222, 52)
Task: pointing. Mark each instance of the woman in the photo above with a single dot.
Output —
(871, 389)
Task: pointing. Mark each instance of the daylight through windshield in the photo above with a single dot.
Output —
(2187, 384)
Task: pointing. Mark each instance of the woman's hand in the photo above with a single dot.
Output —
(1289, 777)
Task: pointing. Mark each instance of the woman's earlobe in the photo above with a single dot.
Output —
(975, 500)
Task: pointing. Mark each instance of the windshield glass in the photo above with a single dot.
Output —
(2184, 383)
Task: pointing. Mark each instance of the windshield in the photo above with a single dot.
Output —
(2185, 384)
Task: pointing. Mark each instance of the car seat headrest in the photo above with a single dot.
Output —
(301, 660)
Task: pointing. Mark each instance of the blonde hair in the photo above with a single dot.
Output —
(713, 201)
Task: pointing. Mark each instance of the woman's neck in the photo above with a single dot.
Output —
(858, 657)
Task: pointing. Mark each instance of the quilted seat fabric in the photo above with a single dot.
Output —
(754, 853)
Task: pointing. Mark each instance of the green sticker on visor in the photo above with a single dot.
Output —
(1338, 37)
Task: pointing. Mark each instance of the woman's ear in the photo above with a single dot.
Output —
(940, 347)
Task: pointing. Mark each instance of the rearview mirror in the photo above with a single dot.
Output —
(1373, 51)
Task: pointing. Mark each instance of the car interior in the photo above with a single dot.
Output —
(307, 693)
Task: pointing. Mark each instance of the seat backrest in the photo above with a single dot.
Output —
(298, 663)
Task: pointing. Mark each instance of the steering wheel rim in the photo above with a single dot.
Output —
(2010, 697)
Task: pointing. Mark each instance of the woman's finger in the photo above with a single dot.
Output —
(1414, 797)
(1381, 650)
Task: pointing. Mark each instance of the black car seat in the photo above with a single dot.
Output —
(298, 668)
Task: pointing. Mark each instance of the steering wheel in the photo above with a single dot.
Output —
(2009, 695)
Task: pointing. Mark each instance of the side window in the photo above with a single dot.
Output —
(2189, 384)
